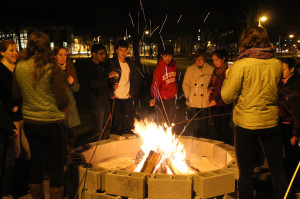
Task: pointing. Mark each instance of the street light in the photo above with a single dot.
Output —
(261, 19)
(291, 36)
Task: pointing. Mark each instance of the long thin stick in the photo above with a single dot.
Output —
(293, 178)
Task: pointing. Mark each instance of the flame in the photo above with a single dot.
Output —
(162, 141)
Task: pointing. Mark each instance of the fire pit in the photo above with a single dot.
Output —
(183, 167)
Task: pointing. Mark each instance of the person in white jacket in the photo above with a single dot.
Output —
(195, 83)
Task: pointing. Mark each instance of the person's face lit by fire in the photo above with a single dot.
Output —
(61, 56)
(287, 72)
(167, 58)
(200, 61)
(122, 53)
(11, 54)
(218, 62)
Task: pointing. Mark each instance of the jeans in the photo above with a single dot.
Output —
(47, 144)
(222, 123)
(99, 117)
(245, 147)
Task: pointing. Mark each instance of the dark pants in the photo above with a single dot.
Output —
(292, 154)
(47, 145)
(199, 125)
(166, 111)
(222, 123)
(99, 117)
(122, 118)
(245, 147)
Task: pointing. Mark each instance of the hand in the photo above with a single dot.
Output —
(116, 85)
(213, 103)
(15, 109)
(294, 140)
(113, 74)
(70, 80)
(152, 102)
(15, 135)
(112, 97)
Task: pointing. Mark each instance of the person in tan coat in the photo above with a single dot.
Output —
(195, 88)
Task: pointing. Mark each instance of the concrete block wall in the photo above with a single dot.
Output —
(140, 185)
(162, 186)
(213, 183)
(126, 184)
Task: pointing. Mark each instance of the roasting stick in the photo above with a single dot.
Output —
(293, 178)
(163, 106)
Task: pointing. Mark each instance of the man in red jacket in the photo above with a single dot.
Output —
(164, 86)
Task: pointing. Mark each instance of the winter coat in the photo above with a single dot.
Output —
(7, 126)
(164, 83)
(252, 85)
(72, 115)
(6, 93)
(195, 85)
(216, 83)
(134, 76)
(48, 98)
(96, 78)
(289, 102)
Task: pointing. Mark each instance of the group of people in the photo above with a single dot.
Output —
(38, 108)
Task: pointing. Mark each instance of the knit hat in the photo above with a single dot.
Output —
(167, 50)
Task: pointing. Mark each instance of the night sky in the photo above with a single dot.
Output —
(106, 17)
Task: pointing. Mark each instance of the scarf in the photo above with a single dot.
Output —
(259, 53)
(217, 72)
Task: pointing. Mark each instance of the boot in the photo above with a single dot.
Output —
(56, 192)
(37, 191)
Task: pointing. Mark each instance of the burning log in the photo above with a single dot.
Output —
(151, 162)
(173, 167)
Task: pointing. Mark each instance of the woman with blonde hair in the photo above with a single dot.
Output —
(45, 99)
(252, 84)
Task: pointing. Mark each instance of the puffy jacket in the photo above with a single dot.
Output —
(252, 85)
(195, 84)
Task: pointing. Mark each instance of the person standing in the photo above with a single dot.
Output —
(289, 117)
(164, 87)
(8, 59)
(125, 78)
(45, 97)
(252, 84)
(96, 78)
(72, 117)
(217, 105)
(195, 88)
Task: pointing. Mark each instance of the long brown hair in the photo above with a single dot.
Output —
(70, 69)
(254, 37)
(38, 48)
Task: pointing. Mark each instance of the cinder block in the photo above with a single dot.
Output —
(105, 196)
(234, 169)
(126, 184)
(129, 136)
(214, 183)
(128, 146)
(100, 152)
(219, 155)
(116, 137)
(169, 186)
(201, 148)
(187, 141)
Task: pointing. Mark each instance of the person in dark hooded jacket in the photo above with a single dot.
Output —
(289, 115)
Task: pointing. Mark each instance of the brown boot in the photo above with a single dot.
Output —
(56, 192)
(37, 191)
